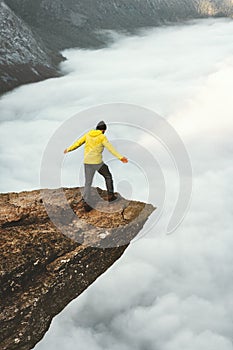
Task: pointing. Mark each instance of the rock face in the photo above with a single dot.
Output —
(32, 32)
(43, 268)
(72, 23)
(23, 57)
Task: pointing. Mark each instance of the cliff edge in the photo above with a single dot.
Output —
(42, 268)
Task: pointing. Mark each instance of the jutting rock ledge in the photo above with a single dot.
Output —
(43, 268)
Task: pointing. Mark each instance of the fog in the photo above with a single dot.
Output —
(167, 292)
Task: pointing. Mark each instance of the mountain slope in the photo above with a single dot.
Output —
(23, 58)
(72, 23)
(32, 32)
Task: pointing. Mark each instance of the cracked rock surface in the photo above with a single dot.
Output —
(45, 264)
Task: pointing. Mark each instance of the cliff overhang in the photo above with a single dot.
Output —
(44, 267)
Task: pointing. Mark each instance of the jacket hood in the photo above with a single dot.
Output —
(94, 133)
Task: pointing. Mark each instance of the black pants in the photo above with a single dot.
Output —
(90, 170)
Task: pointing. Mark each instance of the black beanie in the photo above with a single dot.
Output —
(101, 126)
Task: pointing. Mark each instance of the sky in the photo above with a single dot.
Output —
(184, 74)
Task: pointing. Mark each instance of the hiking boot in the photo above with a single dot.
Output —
(112, 197)
(86, 206)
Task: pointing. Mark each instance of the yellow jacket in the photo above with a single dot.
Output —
(95, 141)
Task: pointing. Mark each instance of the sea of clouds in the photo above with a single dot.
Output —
(167, 292)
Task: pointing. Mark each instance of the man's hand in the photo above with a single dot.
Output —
(124, 160)
(65, 151)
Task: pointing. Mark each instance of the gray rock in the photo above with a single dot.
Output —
(23, 57)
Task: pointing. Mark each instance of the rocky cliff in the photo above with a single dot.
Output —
(76, 23)
(23, 57)
(43, 268)
(32, 32)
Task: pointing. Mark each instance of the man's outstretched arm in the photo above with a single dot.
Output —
(111, 149)
(77, 144)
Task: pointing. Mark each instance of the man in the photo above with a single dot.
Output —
(95, 141)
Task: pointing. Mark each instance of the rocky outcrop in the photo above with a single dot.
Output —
(23, 57)
(42, 267)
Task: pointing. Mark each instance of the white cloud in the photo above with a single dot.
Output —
(166, 292)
